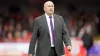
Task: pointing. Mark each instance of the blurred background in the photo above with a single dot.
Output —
(82, 19)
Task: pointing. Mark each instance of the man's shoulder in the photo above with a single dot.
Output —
(39, 17)
(57, 15)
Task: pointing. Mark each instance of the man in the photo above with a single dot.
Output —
(50, 31)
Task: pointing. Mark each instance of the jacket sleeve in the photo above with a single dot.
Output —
(65, 34)
(33, 38)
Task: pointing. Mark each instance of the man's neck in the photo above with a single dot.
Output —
(49, 14)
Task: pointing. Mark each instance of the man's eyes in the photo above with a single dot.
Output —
(50, 6)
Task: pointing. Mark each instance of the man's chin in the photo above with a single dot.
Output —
(50, 13)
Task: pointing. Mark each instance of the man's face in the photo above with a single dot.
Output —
(49, 8)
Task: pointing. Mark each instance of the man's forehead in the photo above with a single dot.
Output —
(48, 3)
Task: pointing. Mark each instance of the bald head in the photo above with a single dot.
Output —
(49, 7)
(48, 2)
